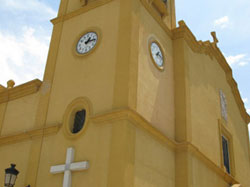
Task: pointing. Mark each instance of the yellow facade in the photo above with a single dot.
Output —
(144, 127)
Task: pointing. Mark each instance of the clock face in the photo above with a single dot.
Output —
(157, 54)
(87, 42)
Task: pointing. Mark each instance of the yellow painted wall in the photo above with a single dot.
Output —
(20, 114)
(2, 114)
(155, 94)
(206, 78)
(94, 146)
(204, 176)
(205, 75)
(75, 4)
(90, 75)
(18, 154)
(154, 162)
(170, 19)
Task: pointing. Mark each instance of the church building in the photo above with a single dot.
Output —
(128, 99)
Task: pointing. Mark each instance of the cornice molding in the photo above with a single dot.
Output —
(161, 7)
(156, 17)
(28, 135)
(20, 91)
(189, 147)
(136, 119)
(95, 4)
(85, 8)
(2, 88)
(140, 122)
(213, 51)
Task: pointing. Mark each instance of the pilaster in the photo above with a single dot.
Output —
(122, 155)
(127, 56)
(173, 15)
(183, 129)
(41, 115)
(183, 168)
(3, 107)
(182, 93)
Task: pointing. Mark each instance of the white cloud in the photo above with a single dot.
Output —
(243, 63)
(22, 58)
(245, 100)
(35, 6)
(239, 59)
(222, 22)
(248, 111)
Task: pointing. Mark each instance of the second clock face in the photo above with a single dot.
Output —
(87, 42)
(157, 54)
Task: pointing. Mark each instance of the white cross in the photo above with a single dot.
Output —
(68, 167)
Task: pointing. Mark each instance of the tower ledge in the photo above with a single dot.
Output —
(19, 91)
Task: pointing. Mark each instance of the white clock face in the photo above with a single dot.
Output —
(157, 54)
(86, 43)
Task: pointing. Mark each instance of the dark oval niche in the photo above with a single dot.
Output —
(79, 121)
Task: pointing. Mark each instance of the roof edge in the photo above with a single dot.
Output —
(213, 51)
(19, 91)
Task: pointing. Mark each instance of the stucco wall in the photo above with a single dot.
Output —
(155, 94)
(90, 76)
(93, 145)
(204, 176)
(18, 154)
(20, 114)
(206, 78)
(154, 162)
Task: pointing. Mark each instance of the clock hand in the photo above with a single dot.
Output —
(90, 40)
(158, 54)
(87, 41)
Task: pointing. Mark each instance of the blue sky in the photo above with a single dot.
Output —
(230, 20)
(25, 33)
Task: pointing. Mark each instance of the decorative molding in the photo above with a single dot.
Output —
(213, 51)
(142, 123)
(189, 147)
(2, 88)
(84, 2)
(20, 91)
(28, 135)
(157, 17)
(137, 120)
(85, 8)
(69, 115)
(160, 6)
(224, 131)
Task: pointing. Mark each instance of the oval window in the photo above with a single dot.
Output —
(79, 121)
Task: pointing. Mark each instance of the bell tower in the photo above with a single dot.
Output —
(119, 64)
(111, 59)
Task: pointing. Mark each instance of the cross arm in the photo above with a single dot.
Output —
(57, 169)
(79, 166)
